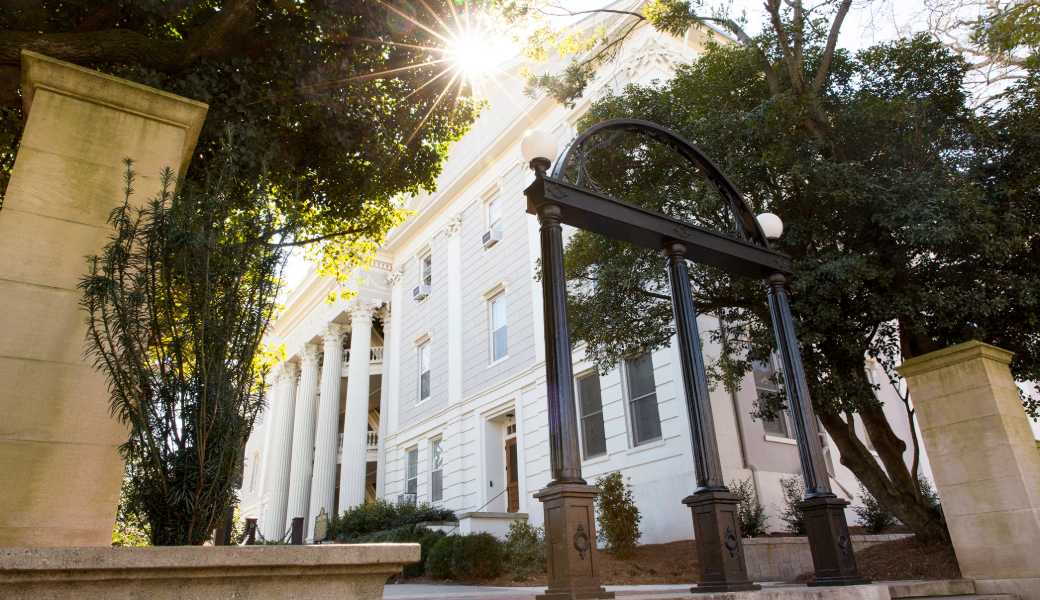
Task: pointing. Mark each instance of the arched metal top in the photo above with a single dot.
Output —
(572, 161)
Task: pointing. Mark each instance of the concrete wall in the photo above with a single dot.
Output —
(784, 558)
(60, 470)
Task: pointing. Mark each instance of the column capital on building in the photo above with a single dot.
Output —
(394, 277)
(452, 227)
(309, 354)
(383, 314)
(361, 310)
(332, 334)
(286, 372)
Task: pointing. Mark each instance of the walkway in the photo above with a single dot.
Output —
(410, 591)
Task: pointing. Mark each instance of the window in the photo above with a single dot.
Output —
(424, 371)
(765, 384)
(495, 214)
(499, 341)
(642, 399)
(436, 471)
(254, 477)
(593, 437)
(411, 484)
(427, 270)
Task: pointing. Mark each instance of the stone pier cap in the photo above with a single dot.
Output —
(245, 572)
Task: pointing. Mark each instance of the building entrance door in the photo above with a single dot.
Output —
(512, 477)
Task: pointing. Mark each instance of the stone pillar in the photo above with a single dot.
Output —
(355, 422)
(303, 435)
(326, 435)
(280, 452)
(60, 467)
(383, 314)
(985, 462)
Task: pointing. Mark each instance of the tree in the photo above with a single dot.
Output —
(906, 233)
(347, 104)
(178, 303)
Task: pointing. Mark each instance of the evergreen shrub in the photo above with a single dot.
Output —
(617, 515)
(477, 556)
(751, 515)
(382, 515)
(794, 492)
(438, 563)
(873, 517)
(415, 534)
(524, 550)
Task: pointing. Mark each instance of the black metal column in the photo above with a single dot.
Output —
(829, 539)
(570, 535)
(716, 527)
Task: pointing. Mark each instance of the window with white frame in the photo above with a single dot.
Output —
(411, 484)
(254, 476)
(642, 399)
(765, 385)
(590, 406)
(436, 471)
(424, 371)
(499, 339)
(494, 213)
(426, 264)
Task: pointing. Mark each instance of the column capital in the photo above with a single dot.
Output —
(394, 277)
(383, 314)
(452, 227)
(332, 334)
(361, 310)
(309, 355)
(286, 372)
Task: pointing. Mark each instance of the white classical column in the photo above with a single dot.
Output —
(392, 351)
(303, 435)
(355, 422)
(384, 394)
(280, 451)
(326, 435)
(451, 230)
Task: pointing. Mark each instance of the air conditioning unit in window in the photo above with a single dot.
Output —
(406, 499)
(420, 292)
(491, 237)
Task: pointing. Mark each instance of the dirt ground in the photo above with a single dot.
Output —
(676, 563)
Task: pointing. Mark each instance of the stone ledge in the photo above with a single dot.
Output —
(345, 572)
(953, 355)
(492, 515)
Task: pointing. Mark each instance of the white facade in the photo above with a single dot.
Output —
(486, 386)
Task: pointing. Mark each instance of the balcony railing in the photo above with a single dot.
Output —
(373, 441)
(375, 355)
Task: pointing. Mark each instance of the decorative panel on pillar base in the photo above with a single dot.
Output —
(830, 542)
(570, 539)
(720, 552)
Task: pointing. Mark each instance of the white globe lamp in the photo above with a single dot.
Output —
(771, 225)
(539, 149)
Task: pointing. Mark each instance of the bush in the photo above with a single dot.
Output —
(426, 538)
(438, 563)
(751, 515)
(931, 497)
(524, 550)
(617, 515)
(477, 556)
(794, 492)
(872, 516)
(382, 515)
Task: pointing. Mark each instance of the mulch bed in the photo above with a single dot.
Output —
(903, 560)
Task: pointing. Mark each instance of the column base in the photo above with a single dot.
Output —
(720, 552)
(570, 540)
(830, 542)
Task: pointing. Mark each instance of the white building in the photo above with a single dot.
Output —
(437, 367)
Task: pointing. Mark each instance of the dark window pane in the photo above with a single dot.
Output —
(436, 486)
(640, 371)
(763, 372)
(778, 426)
(501, 343)
(593, 435)
(589, 395)
(646, 419)
(412, 487)
(425, 383)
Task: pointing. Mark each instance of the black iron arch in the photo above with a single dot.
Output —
(571, 167)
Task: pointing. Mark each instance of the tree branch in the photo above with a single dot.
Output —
(832, 41)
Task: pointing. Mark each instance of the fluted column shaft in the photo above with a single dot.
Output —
(564, 456)
(695, 382)
(326, 435)
(277, 478)
(355, 421)
(384, 399)
(303, 435)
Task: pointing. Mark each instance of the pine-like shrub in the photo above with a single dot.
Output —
(415, 534)
(438, 563)
(751, 515)
(382, 515)
(872, 516)
(524, 550)
(794, 492)
(477, 556)
(617, 515)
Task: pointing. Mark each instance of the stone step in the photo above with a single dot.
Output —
(972, 597)
(923, 589)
